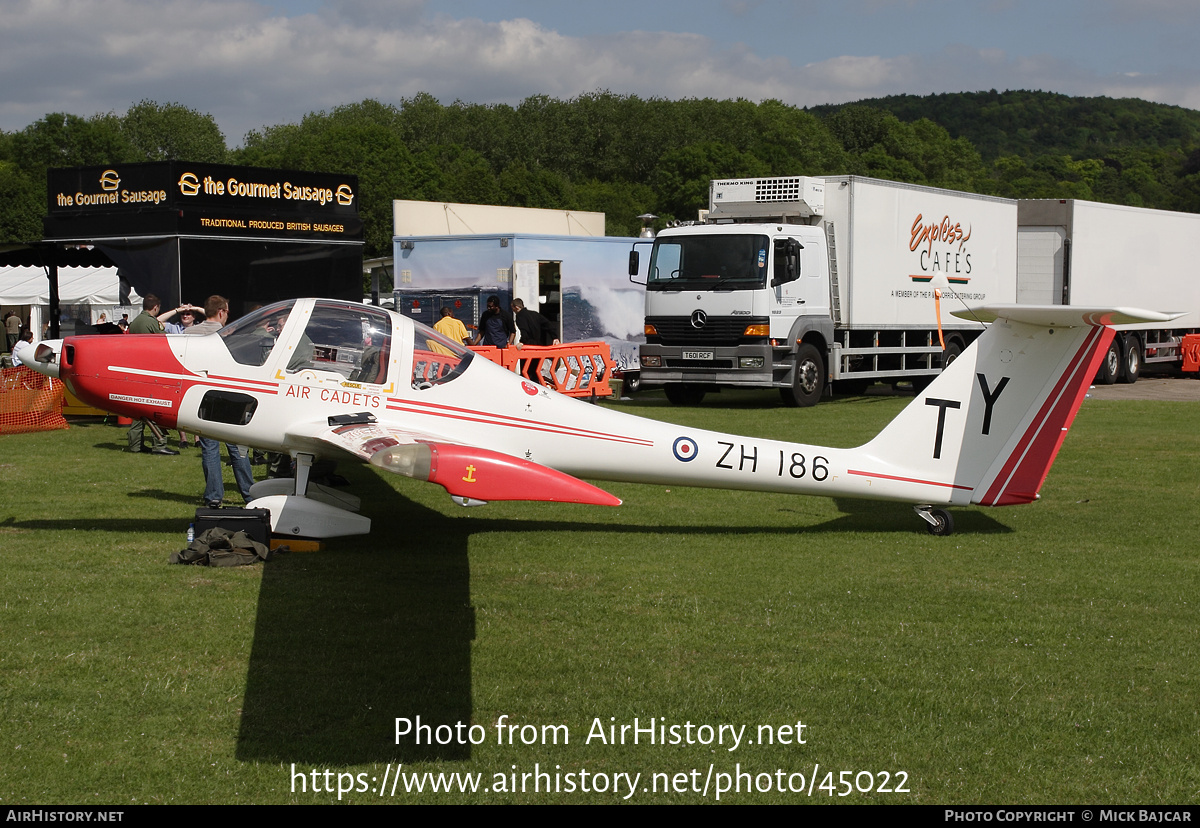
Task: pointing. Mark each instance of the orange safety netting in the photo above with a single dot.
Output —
(29, 402)
(577, 369)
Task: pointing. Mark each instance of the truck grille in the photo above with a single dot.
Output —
(698, 363)
(678, 330)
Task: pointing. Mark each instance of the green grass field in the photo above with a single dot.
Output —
(1042, 654)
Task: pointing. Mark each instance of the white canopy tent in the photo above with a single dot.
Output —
(84, 294)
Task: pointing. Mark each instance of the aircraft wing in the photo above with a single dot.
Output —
(1064, 315)
(470, 474)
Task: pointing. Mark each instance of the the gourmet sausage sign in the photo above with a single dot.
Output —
(212, 198)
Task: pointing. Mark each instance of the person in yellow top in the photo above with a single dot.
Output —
(449, 327)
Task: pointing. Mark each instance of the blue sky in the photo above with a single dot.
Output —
(254, 63)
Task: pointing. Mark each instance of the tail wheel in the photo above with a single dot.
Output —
(1132, 363)
(808, 378)
(942, 525)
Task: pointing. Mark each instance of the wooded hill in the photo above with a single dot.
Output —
(625, 155)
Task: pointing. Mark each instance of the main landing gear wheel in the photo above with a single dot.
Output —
(937, 521)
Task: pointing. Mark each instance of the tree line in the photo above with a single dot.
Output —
(624, 155)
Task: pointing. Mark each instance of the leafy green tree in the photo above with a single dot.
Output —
(682, 177)
(359, 139)
(58, 140)
(859, 128)
(620, 201)
(61, 140)
(794, 142)
(627, 155)
(172, 132)
(522, 187)
(22, 204)
(466, 176)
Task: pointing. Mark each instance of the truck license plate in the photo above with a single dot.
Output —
(697, 354)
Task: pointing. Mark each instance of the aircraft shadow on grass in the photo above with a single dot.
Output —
(163, 494)
(381, 626)
(341, 650)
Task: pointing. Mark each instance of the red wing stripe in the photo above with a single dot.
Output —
(508, 422)
(879, 476)
(1026, 468)
(266, 383)
(274, 392)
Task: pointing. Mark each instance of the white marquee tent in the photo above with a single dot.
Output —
(84, 294)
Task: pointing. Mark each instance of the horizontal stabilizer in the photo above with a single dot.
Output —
(1063, 316)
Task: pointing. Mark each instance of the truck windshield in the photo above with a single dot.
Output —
(735, 261)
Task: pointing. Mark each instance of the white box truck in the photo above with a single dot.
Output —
(1073, 252)
(794, 282)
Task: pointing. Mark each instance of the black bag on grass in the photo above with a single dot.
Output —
(220, 547)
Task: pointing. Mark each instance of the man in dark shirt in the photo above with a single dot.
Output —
(535, 330)
(495, 326)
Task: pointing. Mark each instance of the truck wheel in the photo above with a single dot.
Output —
(1110, 368)
(631, 383)
(808, 378)
(681, 393)
(1132, 364)
(953, 351)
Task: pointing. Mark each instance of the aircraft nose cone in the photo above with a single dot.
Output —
(46, 357)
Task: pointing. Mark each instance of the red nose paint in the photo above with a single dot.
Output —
(135, 376)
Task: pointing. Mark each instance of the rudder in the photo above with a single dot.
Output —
(988, 428)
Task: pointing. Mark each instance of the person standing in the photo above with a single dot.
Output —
(189, 315)
(12, 328)
(216, 313)
(495, 326)
(449, 327)
(147, 322)
(151, 321)
(535, 330)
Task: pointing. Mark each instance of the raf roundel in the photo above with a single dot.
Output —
(685, 449)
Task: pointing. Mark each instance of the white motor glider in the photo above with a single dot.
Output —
(322, 378)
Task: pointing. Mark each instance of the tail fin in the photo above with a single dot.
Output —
(989, 427)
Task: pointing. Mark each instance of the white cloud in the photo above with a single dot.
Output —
(250, 65)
